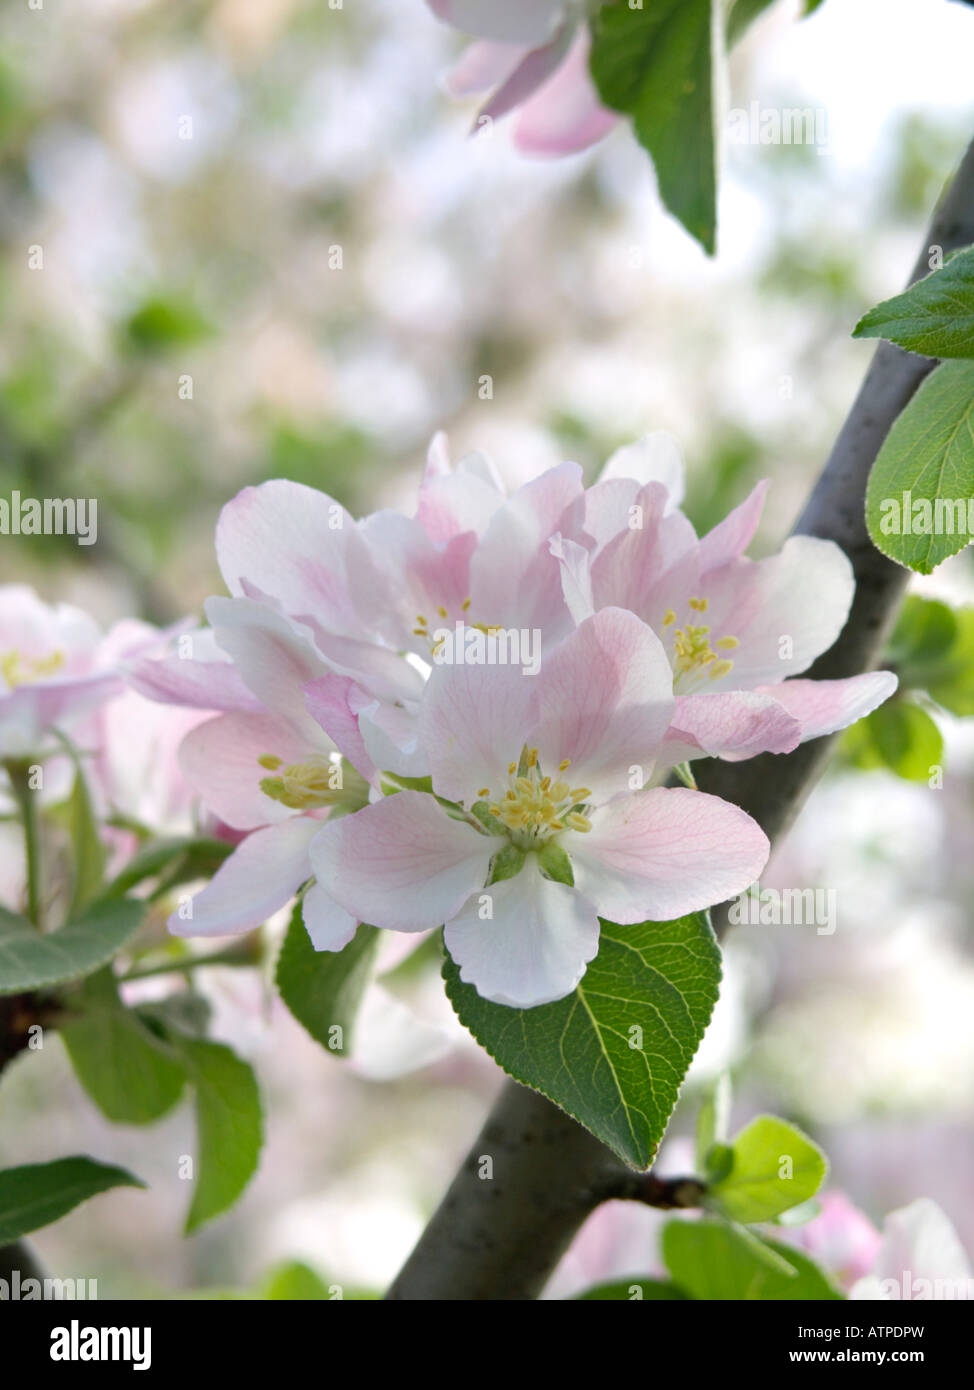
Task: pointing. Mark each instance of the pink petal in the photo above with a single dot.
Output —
(481, 66)
(740, 722)
(642, 565)
(334, 702)
(822, 707)
(655, 458)
(732, 536)
(473, 723)
(533, 70)
(219, 760)
(262, 873)
(274, 657)
(212, 685)
(533, 949)
(785, 611)
(514, 580)
(605, 701)
(663, 853)
(565, 115)
(402, 863)
(291, 542)
(329, 926)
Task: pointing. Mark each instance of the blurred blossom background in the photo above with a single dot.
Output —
(274, 201)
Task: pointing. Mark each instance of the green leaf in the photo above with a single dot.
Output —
(934, 317)
(774, 1167)
(86, 843)
(128, 1071)
(659, 65)
(196, 857)
(917, 498)
(229, 1126)
(718, 1262)
(612, 1054)
(712, 1119)
(904, 738)
(29, 960)
(323, 989)
(38, 1193)
(925, 631)
(953, 683)
(632, 1291)
(742, 15)
(295, 1282)
(162, 323)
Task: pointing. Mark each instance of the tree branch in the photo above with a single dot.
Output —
(501, 1238)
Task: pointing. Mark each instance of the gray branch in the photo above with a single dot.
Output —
(501, 1237)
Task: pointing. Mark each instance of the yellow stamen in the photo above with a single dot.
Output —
(565, 762)
(728, 642)
(271, 761)
(720, 668)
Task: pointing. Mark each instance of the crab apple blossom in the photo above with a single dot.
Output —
(736, 631)
(919, 1257)
(540, 822)
(268, 769)
(530, 56)
(56, 666)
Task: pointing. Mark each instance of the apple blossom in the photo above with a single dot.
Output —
(920, 1257)
(736, 631)
(55, 667)
(538, 823)
(530, 56)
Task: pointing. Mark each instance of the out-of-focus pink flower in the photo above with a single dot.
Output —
(56, 666)
(531, 56)
(552, 761)
(919, 1257)
(840, 1237)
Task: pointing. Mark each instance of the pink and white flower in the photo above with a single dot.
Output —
(737, 631)
(530, 56)
(541, 777)
(56, 667)
(920, 1258)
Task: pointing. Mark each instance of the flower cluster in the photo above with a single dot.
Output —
(382, 732)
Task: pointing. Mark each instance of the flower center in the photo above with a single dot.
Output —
(534, 807)
(422, 627)
(694, 658)
(17, 669)
(319, 781)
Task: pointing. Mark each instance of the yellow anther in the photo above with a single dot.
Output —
(720, 668)
(305, 786)
(465, 605)
(511, 769)
(669, 617)
(532, 757)
(420, 632)
(576, 821)
(728, 642)
(699, 605)
(580, 794)
(484, 791)
(524, 786)
(565, 762)
(421, 620)
(560, 790)
(442, 611)
(21, 670)
(271, 761)
(534, 806)
(545, 783)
